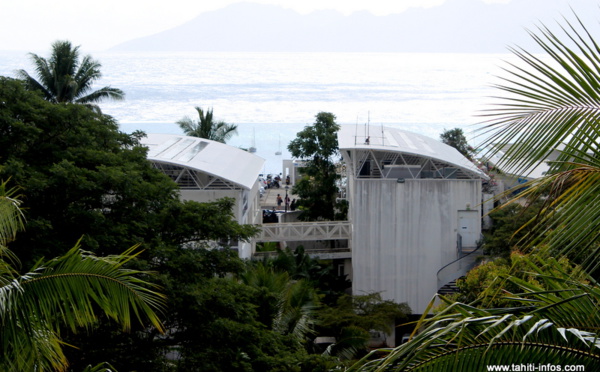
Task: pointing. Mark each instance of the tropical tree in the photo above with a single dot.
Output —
(456, 138)
(553, 104)
(287, 306)
(84, 179)
(352, 319)
(317, 190)
(548, 103)
(71, 291)
(206, 127)
(65, 78)
(508, 228)
(555, 324)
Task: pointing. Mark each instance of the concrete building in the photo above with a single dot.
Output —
(207, 170)
(414, 208)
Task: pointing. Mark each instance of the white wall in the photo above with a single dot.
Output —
(403, 233)
(252, 216)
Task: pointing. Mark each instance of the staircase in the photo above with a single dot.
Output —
(448, 289)
(448, 274)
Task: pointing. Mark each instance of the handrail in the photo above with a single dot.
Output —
(458, 270)
(309, 251)
(322, 253)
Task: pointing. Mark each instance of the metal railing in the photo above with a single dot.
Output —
(460, 266)
(321, 253)
(305, 231)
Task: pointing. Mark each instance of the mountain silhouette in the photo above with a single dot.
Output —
(468, 26)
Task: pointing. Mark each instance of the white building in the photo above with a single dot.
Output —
(414, 208)
(207, 170)
(414, 205)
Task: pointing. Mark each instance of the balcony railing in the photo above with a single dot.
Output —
(323, 254)
(305, 231)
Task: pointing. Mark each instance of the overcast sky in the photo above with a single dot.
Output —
(32, 25)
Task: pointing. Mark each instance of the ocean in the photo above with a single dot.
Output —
(272, 96)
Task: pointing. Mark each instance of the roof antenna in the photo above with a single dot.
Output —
(368, 122)
(356, 130)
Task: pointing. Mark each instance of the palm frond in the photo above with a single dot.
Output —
(205, 127)
(553, 104)
(557, 324)
(546, 102)
(73, 291)
(296, 310)
(100, 95)
(457, 342)
(64, 78)
(11, 216)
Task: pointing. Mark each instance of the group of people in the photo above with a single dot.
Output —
(288, 205)
(273, 182)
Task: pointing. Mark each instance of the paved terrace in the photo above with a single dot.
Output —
(269, 199)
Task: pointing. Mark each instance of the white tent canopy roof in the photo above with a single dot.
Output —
(354, 137)
(210, 157)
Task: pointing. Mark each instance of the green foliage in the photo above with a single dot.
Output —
(554, 315)
(317, 189)
(206, 127)
(70, 291)
(555, 321)
(286, 306)
(64, 78)
(83, 177)
(352, 319)
(267, 247)
(102, 367)
(547, 105)
(510, 225)
(486, 286)
(456, 138)
(321, 274)
(368, 312)
(257, 323)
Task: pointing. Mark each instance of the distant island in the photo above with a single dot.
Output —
(461, 26)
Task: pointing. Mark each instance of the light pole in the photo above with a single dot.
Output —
(286, 198)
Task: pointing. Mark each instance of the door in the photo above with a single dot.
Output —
(469, 228)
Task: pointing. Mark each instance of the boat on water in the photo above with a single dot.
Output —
(278, 152)
(252, 148)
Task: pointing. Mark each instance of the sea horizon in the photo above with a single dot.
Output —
(273, 95)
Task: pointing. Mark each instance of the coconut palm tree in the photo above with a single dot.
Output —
(553, 103)
(547, 103)
(70, 291)
(556, 325)
(65, 78)
(206, 127)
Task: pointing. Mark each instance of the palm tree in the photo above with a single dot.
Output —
(547, 104)
(64, 78)
(205, 127)
(70, 291)
(288, 306)
(557, 324)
